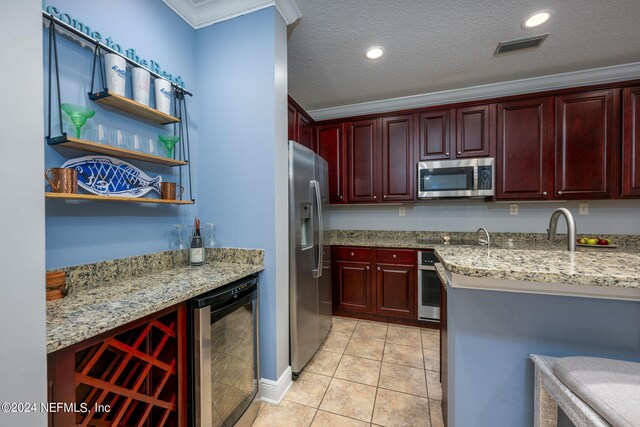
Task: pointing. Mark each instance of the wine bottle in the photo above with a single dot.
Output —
(196, 249)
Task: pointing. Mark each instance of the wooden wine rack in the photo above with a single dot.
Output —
(132, 378)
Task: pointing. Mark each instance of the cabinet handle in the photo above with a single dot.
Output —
(340, 197)
(385, 196)
(446, 154)
(351, 253)
(459, 152)
(559, 192)
(375, 197)
(544, 193)
(367, 267)
(378, 268)
(395, 256)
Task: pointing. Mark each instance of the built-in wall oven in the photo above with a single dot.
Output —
(428, 287)
(456, 178)
(224, 355)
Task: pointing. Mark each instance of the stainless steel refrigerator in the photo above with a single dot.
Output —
(309, 265)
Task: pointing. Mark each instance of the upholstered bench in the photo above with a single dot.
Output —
(590, 391)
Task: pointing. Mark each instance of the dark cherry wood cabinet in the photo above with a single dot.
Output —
(292, 122)
(300, 127)
(135, 375)
(631, 142)
(388, 295)
(330, 143)
(398, 166)
(584, 145)
(524, 158)
(473, 131)
(363, 161)
(434, 135)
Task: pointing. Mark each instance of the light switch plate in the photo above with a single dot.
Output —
(401, 211)
(513, 209)
(583, 209)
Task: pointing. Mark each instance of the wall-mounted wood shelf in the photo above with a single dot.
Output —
(68, 196)
(132, 107)
(94, 147)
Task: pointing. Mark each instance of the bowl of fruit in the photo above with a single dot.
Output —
(596, 242)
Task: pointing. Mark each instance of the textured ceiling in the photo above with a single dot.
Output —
(434, 45)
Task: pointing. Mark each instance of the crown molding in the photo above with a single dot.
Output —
(602, 75)
(212, 12)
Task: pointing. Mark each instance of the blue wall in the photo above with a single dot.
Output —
(236, 73)
(492, 334)
(78, 233)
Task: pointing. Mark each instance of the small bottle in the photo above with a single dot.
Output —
(196, 249)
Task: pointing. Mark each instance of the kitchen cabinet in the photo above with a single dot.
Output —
(300, 125)
(444, 371)
(363, 161)
(292, 121)
(584, 145)
(434, 135)
(388, 295)
(330, 143)
(631, 142)
(524, 160)
(398, 166)
(473, 131)
(137, 372)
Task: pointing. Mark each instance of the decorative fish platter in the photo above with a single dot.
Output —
(108, 176)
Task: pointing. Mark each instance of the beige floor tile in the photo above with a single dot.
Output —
(431, 359)
(430, 339)
(370, 331)
(433, 385)
(369, 349)
(343, 326)
(404, 379)
(349, 399)
(323, 363)
(335, 343)
(308, 389)
(404, 336)
(395, 409)
(358, 369)
(435, 408)
(284, 415)
(403, 355)
(327, 419)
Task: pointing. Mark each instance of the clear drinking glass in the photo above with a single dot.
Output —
(180, 244)
(151, 147)
(136, 142)
(99, 134)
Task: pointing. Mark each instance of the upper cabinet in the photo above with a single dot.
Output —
(473, 131)
(434, 135)
(330, 142)
(363, 160)
(584, 145)
(631, 142)
(292, 121)
(300, 127)
(398, 166)
(524, 164)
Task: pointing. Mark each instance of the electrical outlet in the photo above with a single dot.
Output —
(583, 209)
(513, 209)
(401, 211)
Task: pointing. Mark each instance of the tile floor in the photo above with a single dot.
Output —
(365, 374)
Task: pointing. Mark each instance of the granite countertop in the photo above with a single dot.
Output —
(88, 312)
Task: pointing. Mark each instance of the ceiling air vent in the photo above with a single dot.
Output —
(525, 43)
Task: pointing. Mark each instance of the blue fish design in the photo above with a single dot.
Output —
(108, 176)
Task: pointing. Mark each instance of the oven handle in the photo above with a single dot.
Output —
(426, 267)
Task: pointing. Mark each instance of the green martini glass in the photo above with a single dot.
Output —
(169, 142)
(78, 115)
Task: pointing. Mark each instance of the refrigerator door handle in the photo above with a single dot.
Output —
(317, 272)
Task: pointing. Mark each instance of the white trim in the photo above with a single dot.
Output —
(273, 391)
(210, 13)
(602, 75)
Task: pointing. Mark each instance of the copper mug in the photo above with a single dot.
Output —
(168, 190)
(62, 180)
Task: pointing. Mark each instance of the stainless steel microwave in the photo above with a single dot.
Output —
(456, 178)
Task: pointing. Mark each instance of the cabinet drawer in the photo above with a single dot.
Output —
(352, 253)
(396, 256)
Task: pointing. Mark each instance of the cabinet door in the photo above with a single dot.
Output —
(434, 135)
(353, 285)
(525, 149)
(293, 122)
(631, 142)
(473, 126)
(584, 142)
(305, 132)
(363, 154)
(398, 167)
(331, 147)
(395, 290)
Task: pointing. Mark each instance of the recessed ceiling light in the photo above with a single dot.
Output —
(536, 19)
(374, 52)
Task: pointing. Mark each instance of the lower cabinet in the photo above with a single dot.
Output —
(132, 376)
(389, 293)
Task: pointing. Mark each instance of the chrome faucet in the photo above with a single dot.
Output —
(481, 240)
(571, 227)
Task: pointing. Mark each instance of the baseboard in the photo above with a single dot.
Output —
(273, 391)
